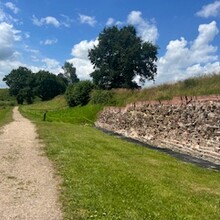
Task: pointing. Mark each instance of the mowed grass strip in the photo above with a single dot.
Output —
(107, 178)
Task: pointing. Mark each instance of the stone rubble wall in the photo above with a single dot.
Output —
(186, 124)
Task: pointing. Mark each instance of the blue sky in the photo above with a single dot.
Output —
(43, 34)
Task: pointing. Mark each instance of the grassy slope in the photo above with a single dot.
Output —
(205, 85)
(107, 178)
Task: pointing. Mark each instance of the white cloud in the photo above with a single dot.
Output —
(51, 65)
(80, 58)
(210, 10)
(5, 17)
(147, 30)
(12, 7)
(81, 49)
(45, 21)
(85, 19)
(30, 50)
(184, 59)
(66, 20)
(110, 22)
(8, 37)
(49, 41)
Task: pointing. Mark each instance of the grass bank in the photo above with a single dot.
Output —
(204, 85)
(5, 115)
(107, 178)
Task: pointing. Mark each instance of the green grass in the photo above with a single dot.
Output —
(107, 178)
(58, 111)
(5, 115)
(6, 99)
(205, 85)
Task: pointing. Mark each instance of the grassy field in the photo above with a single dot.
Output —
(107, 178)
(5, 98)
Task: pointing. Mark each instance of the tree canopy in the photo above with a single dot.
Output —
(25, 85)
(121, 56)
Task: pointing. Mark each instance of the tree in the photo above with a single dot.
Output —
(21, 82)
(120, 56)
(69, 73)
(48, 85)
(79, 93)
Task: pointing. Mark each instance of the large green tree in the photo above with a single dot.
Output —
(21, 82)
(120, 56)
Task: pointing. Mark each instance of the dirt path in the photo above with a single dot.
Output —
(28, 189)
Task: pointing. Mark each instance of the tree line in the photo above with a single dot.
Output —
(26, 85)
(120, 60)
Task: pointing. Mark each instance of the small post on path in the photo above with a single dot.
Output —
(45, 116)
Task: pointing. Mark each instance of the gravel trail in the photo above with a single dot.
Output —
(28, 186)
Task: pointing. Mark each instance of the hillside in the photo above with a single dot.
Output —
(205, 85)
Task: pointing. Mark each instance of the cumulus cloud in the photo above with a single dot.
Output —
(51, 65)
(49, 41)
(45, 21)
(210, 10)
(147, 30)
(85, 19)
(12, 7)
(80, 58)
(185, 59)
(8, 37)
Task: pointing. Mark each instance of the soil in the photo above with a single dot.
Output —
(29, 189)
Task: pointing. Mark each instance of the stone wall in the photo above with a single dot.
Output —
(186, 124)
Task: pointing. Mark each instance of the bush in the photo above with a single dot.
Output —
(102, 97)
(79, 93)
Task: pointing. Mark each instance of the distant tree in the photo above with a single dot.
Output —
(79, 93)
(21, 82)
(63, 78)
(48, 85)
(69, 73)
(120, 56)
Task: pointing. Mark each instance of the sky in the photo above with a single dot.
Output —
(44, 34)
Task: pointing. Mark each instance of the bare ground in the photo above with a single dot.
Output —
(28, 187)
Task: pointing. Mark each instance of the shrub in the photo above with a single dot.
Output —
(102, 97)
(79, 93)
